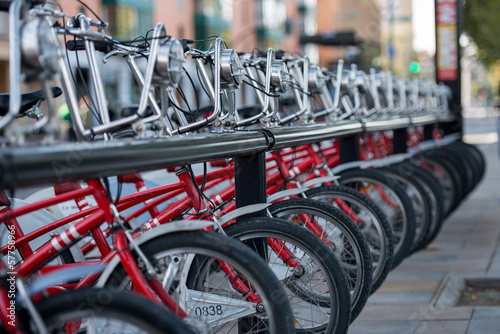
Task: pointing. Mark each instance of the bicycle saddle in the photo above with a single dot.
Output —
(28, 100)
(4, 200)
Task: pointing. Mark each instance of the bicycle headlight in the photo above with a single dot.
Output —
(39, 50)
(169, 62)
(316, 79)
(279, 76)
(231, 69)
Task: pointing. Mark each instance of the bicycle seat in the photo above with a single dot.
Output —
(28, 100)
(4, 200)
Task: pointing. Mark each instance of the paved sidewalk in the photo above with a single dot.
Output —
(468, 246)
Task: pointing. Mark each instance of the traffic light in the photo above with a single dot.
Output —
(414, 67)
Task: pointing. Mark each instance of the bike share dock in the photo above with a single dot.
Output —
(467, 247)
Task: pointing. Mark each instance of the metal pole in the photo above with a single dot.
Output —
(349, 149)
(399, 141)
(250, 181)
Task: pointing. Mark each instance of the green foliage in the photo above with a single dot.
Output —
(481, 22)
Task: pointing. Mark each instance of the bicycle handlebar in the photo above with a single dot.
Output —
(79, 45)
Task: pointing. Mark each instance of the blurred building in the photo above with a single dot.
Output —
(358, 23)
(243, 24)
(4, 52)
(397, 36)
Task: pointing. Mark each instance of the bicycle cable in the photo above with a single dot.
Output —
(119, 180)
(201, 82)
(87, 91)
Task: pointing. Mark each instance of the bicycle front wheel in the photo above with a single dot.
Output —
(221, 284)
(391, 198)
(342, 236)
(371, 221)
(107, 312)
(312, 277)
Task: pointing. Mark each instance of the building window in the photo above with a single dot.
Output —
(270, 18)
(4, 25)
(213, 17)
(127, 19)
(180, 5)
(271, 14)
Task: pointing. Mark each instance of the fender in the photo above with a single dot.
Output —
(175, 226)
(390, 160)
(242, 211)
(285, 193)
(317, 180)
(347, 165)
(54, 278)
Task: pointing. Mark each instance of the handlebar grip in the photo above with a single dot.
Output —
(278, 54)
(5, 5)
(185, 43)
(101, 46)
(73, 45)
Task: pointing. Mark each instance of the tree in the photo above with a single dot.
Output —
(481, 19)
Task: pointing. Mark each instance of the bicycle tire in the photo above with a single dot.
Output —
(344, 237)
(447, 176)
(318, 289)
(276, 316)
(458, 171)
(476, 154)
(463, 167)
(401, 219)
(430, 186)
(420, 199)
(469, 161)
(101, 305)
(375, 226)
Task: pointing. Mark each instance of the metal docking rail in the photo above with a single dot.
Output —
(35, 165)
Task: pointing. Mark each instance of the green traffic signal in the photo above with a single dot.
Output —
(414, 67)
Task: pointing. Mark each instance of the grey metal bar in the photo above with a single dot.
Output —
(424, 120)
(32, 165)
(27, 166)
(448, 118)
(288, 137)
(390, 124)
